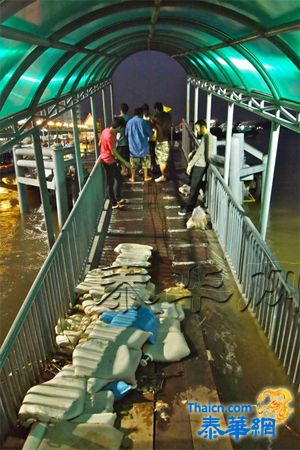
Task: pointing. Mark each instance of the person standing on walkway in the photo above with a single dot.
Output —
(108, 158)
(122, 146)
(198, 165)
(162, 121)
(138, 131)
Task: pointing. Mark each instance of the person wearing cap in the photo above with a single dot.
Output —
(162, 122)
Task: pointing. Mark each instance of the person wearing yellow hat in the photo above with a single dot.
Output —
(162, 122)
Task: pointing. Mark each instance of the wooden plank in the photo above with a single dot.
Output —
(137, 426)
(202, 390)
(172, 423)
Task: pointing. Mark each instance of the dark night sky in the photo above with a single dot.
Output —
(148, 77)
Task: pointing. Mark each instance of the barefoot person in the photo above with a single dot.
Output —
(108, 158)
(138, 131)
(162, 122)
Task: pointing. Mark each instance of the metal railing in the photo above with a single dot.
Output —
(264, 285)
(31, 339)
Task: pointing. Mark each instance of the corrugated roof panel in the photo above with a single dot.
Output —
(250, 75)
(12, 52)
(281, 71)
(29, 82)
(58, 79)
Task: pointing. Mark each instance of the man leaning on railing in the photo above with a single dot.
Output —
(198, 164)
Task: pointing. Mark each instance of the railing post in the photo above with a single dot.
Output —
(265, 209)
(196, 104)
(77, 148)
(94, 115)
(43, 185)
(228, 141)
(22, 188)
(188, 96)
(60, 183)
(208, 109)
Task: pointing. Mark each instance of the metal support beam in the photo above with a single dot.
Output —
(196, 104)
(60, 184)
(111, 96)
(228, 141)
(77, 148)
(188, 96)
(104, 107)
(265, 209)
(208, 109)
(43, 186)
(94, 115)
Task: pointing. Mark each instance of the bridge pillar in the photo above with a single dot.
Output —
(22, 188)
(188, 98)
(236, 162)
(196, 105)
(94, 115)
(104, 107)
(228, 141)
(77, 148)
(208, 109)
(60, 184)
(111, 96)
(267, 192)
(43, 186)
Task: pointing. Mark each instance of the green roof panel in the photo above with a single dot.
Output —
(52, 48)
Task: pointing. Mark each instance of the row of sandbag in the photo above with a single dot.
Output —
(108, 350)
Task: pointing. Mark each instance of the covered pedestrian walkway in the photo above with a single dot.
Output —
(55, 55)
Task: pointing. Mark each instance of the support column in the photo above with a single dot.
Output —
(111, 101)
(267, 192)
(188, 96)
(235, 184)
(43, 186)
(22, 188)
(208, 109)
(76, 140)
(228, 141)
(196, 104)
(94, 115)
(60, 184)
(104, 107)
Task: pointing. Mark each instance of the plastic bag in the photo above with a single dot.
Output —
(185, 189)
(198, 219)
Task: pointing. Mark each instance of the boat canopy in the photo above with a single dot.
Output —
(50, 49)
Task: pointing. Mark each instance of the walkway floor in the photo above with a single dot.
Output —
(230, 362)
(230, 359)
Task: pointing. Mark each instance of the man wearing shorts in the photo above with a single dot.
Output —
(162, 122)
(138, 131)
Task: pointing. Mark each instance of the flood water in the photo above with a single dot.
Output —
(23, 239)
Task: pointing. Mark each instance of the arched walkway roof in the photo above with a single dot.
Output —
(53, 48)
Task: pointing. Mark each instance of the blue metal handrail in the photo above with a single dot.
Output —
(31, 338)
(264, 285)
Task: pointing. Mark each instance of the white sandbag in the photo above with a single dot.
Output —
(99, 402)
(102, 359)
(168, 348)
(104, 418)
(132, 337)
(132, 247)
(61, 398)
(83, 436)
(198, 219)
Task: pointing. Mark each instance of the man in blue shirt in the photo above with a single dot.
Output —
(138, 131)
